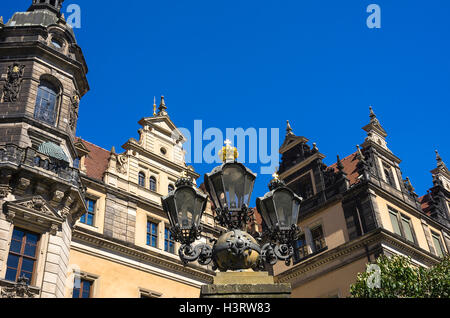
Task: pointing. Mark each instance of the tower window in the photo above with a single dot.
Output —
(171, 188)
(46, 100)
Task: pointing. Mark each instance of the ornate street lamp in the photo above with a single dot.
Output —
(230, 187)
(279, 209)
(184, 207)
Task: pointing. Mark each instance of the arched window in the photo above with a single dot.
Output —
(153, 184)
(46, 103)
(141, 179)
(171, 188)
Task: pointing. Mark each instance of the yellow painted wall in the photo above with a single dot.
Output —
(119, 281)
(334, 283)
(416, 222)
(334, 229)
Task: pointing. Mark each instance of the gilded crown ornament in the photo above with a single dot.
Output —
(228, 153)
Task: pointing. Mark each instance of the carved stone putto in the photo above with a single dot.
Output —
(11, 88)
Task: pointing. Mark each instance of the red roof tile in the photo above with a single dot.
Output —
(350, 167)
(96, 161)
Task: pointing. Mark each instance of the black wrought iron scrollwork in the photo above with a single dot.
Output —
(280, 246)
(235, 219)
(201, 253)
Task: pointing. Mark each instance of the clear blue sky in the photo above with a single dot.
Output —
(258, 63)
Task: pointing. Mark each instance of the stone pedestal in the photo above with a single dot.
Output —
(245, 285)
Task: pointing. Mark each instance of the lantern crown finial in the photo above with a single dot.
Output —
(228, 153)
(276, 183)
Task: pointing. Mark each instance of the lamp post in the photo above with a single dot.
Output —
(230, 187)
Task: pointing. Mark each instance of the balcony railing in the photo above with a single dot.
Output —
(29, 157)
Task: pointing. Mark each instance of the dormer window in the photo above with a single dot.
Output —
(389, 178)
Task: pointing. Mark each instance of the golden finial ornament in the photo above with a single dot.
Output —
(228, 153)
(154, 106)
(1, 20)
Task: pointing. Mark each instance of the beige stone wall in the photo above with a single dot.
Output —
(416, 221)
(116, 280)
(333, 225)
(334, 284)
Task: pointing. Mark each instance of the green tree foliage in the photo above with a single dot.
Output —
(397, 277)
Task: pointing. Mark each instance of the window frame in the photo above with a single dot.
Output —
(149, 234)
(153, 184)
(141, 179)
(389, 176)
(93, 212)
(400, 217)
(21, 255)
(323, 243)
(167, 240)
(49, 88)
(82, 281)
(301, 252)
(436, 237)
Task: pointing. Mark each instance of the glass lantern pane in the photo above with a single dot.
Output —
(217, 191)
(234, 182)
(249, 182)
(269, 210)
(295, 211)
(185, 201)
(283, 205)
(199, 208)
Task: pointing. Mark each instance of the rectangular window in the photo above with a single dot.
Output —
(395, 223)
(152, 234)
(82, 288)
(169, 243)
(407, 228)
(402, 225)
(302, 248)
(88, 217)
(318, 238)
(437, 244)
(22, 255)
(388, 176)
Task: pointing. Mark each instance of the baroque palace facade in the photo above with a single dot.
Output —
(80, 221)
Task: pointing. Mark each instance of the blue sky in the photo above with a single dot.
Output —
(258, 63)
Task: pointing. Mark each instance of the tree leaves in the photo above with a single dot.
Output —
(399, 278)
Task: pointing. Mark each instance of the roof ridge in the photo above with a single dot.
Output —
(93, 144)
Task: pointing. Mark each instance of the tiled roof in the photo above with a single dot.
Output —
(350, 162)
(96, 161)
(425, 203)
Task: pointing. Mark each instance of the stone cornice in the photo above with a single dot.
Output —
(96, 240)
(376, 237)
